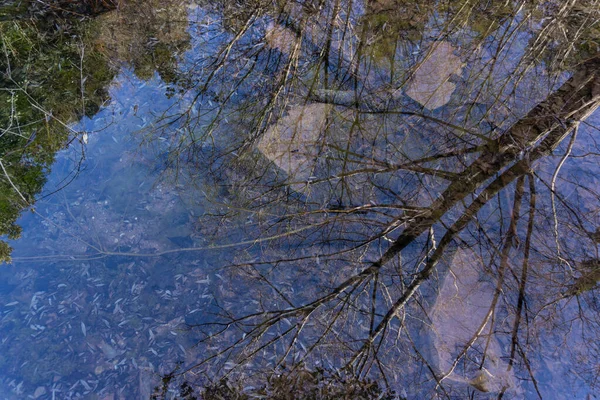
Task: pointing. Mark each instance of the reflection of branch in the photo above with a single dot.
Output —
(446, 175)
(574, 101)
(428, 365)
(553, 196)
(102, 253)
(508, 245)
(523, 280)
(421, 160)
(457, 227)
(370, 105)
(410, 233)
(12, 183)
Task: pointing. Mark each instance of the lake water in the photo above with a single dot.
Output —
(316, 199)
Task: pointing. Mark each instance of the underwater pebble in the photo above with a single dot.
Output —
(39, 392)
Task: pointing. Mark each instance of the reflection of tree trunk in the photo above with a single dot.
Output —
(547, 124)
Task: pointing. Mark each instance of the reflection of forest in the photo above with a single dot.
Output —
(398, 191)
(44, 89)
(56, 68)
(147, 35)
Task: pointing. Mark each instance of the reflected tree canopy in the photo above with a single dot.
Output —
(397, 192)
(55, 71)
(38, 106)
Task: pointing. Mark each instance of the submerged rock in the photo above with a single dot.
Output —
(109, 351)
(39, 392)
(460, 319)
(293, 143)
(429, 84)
(281, 38)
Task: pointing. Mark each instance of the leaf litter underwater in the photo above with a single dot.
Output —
(354, 199)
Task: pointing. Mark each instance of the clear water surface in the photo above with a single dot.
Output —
(397, 192)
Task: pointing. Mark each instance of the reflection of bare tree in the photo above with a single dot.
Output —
(371, 224)
(537, 134)
(372, 205)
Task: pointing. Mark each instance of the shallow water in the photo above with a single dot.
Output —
(403, 191)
